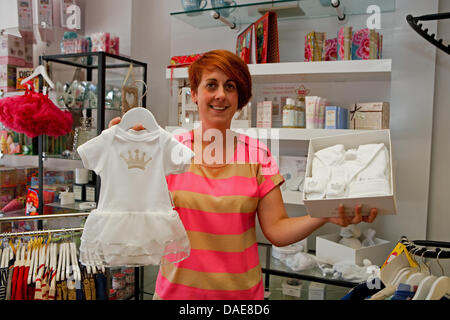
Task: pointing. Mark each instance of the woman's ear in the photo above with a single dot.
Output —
(194, 96)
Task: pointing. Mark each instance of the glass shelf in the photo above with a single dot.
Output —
(249, 11)
(72, 206)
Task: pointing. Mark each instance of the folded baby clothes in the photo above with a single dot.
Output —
(337, 185)
(371, 175)
(314, 187)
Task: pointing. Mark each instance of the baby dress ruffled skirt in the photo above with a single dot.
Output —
(133, 239)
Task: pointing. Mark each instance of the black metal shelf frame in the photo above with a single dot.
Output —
(100, 66)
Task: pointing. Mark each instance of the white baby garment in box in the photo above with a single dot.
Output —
(366, 175)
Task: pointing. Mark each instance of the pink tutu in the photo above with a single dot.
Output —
(34, 114)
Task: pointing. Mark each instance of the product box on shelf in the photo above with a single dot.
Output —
(369, 116)
(25, 173)
(329, 250)
(104, 41)
(386, 205)
(23, 73)
(316, 291)
(264, 114)
(336, 117)
(6, 195)
(7, 77)
(8, 177)
(12, 50)
(32, 202)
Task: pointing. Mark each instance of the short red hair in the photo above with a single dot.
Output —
(230, 64)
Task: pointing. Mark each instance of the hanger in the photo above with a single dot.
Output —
(68, 258)
(32, 259)
(425, 284)
(139, 115)
(75, 267)
(59, 265)
(415, 278)
(40, 70)
(441, 286)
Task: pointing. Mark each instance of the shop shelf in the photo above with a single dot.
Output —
(72, 206)
(249, 11)
(316, 71)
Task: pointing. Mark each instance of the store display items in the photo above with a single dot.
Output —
(366, 44)
(264, 114)
(369, 116)
(316, 291)
(79, 191)
(293, 171)
(83, 134)
(350, 173)
(290, 114)
(8, 77)
(34, 114)
(127, 229)
(12, 50)
(302, 92)
(350, 169)
(336, 117)
(344, 43)
(330, 51)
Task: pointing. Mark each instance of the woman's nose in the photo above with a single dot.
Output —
(220, 92)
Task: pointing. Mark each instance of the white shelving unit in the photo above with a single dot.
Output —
(351, 70)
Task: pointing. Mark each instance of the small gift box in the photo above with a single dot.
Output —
(330, 52)
(344, 43)
(78, 45)
(370, 115)
(8, 78)
(12, 50)
(366, 44)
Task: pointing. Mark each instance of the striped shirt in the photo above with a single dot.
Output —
(217, 206)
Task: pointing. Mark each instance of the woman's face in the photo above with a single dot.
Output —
(217, 99)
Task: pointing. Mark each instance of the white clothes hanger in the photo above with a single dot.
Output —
(40, 70)
(439, 288)
(58, 267)
(139, 115)
(63, 261)
(75, 262)
(67, 253)
(32, 258)
(424, 287)
(2, 263)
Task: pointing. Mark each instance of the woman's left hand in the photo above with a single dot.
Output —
(343, 221)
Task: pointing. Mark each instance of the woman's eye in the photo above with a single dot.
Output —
(230, 86)
(210, 85)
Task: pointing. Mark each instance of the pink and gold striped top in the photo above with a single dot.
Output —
(217, 206)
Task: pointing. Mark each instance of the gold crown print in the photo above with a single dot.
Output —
(136, 161)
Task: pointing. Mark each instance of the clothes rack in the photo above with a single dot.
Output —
(420, 248)
(137, 270)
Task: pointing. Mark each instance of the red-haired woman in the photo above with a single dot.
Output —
(228, 185)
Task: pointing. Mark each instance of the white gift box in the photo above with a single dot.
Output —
(329, 250)
(386, 205)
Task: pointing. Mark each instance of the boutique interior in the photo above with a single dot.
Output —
(343, 92)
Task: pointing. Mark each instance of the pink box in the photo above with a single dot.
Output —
(330, 52)
(12, 50)
(103, 41)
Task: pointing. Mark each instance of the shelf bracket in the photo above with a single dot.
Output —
(217, 16)
(339, 9)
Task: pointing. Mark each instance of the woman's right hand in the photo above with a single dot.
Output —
(116, 120)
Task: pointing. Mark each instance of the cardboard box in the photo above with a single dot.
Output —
(369, 116)
(8, 177)
(23, 73)
(7, 78)
(264, 114)
(386, 205)
(12, 50)
(329, 250)
(292, 287)
(316, 291)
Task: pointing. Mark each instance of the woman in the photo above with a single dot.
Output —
(227, 185)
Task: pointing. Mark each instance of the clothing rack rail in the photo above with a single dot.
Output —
(138, 279)
(420, 248)
(38, 232)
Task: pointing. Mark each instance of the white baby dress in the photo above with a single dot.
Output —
(134, 223)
